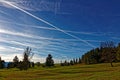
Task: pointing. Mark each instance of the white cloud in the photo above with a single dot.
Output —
(14, 33)
(37, 5)
(45, 43)
(2, 48)
(3, 12)
(18, 49)
(56, 45)
(48, 28)
(46, 22)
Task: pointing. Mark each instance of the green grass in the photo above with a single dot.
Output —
(76, 72)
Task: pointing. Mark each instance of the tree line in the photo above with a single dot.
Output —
(71, 62)
(25, 64)
(107, 52)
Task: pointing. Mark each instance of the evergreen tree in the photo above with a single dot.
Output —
(49, 61)
(79, 60)
(2, 62)
(71, 62)
(66, 63)
(15, 61)
(76, 61)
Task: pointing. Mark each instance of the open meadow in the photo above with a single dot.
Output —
(76, 72)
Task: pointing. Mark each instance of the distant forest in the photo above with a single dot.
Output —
(106, 53)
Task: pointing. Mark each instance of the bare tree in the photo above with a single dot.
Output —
(27, 56)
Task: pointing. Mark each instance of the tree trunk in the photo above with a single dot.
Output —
(111, 64)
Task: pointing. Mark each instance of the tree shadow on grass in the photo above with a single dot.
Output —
(75, 72)
(88, 67)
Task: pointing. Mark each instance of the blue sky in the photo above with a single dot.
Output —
(64, 28)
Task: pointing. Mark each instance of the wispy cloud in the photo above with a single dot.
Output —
(48, 28)
(14, 33)
(39, 43)
(40, 19)
(3, 12)
(36, 57)
(10, 49)
(34, 26)
(62, 44)
(31, 36)
(2, 48)
(38, 5)
(43, 45)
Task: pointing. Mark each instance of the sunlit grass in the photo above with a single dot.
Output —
(76, 72)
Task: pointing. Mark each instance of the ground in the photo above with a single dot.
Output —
(76, 72)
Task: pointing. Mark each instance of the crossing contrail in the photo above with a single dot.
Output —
(46, 22)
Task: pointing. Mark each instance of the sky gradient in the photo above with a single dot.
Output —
(64, 28)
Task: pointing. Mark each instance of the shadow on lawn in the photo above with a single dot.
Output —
(75, 72)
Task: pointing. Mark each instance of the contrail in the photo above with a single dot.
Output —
(47, 28)
(33, 26)
(38, 18)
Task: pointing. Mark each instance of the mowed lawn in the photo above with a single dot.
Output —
(76, 72)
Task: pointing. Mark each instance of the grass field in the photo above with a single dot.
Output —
(76, 72)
